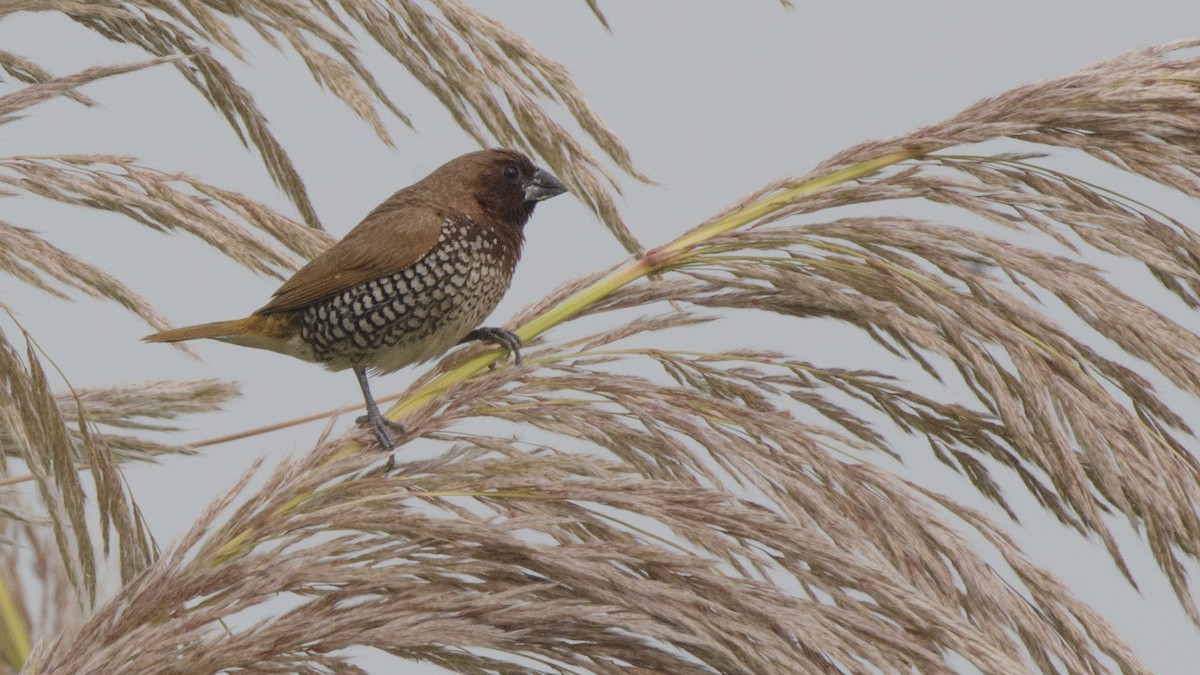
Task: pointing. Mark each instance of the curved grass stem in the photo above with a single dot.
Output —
(653, 261)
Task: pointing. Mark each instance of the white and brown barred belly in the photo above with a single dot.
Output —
(419, 312)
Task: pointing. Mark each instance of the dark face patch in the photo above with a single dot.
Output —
(500, 190)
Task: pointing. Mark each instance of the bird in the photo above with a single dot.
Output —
(416, 277)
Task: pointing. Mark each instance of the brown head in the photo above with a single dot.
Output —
(496, 185)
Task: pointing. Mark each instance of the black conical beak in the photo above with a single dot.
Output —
(543, 186)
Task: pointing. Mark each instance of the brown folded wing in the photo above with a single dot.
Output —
(392, 237)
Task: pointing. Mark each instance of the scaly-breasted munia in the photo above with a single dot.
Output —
(414, 278)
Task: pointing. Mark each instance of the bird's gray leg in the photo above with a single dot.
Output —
(497, 336)
(378, 423)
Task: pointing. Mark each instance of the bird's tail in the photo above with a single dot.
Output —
(274, 332)
(215, 330)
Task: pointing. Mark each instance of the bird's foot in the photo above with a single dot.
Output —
(383, 428)
(497, 336)
(364, 420)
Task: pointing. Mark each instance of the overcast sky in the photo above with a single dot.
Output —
(713, 101)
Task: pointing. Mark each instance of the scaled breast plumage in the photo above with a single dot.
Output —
(447, 291)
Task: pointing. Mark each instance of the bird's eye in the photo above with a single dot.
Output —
(511, 172)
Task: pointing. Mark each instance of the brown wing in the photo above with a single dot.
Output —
(392, 237)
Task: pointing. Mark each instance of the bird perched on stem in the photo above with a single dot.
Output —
(413, 279)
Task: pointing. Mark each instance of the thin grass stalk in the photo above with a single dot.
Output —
(15, 634)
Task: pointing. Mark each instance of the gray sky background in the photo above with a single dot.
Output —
(714, 99)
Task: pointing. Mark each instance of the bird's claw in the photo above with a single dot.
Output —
(507, 339)
(383, 428)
